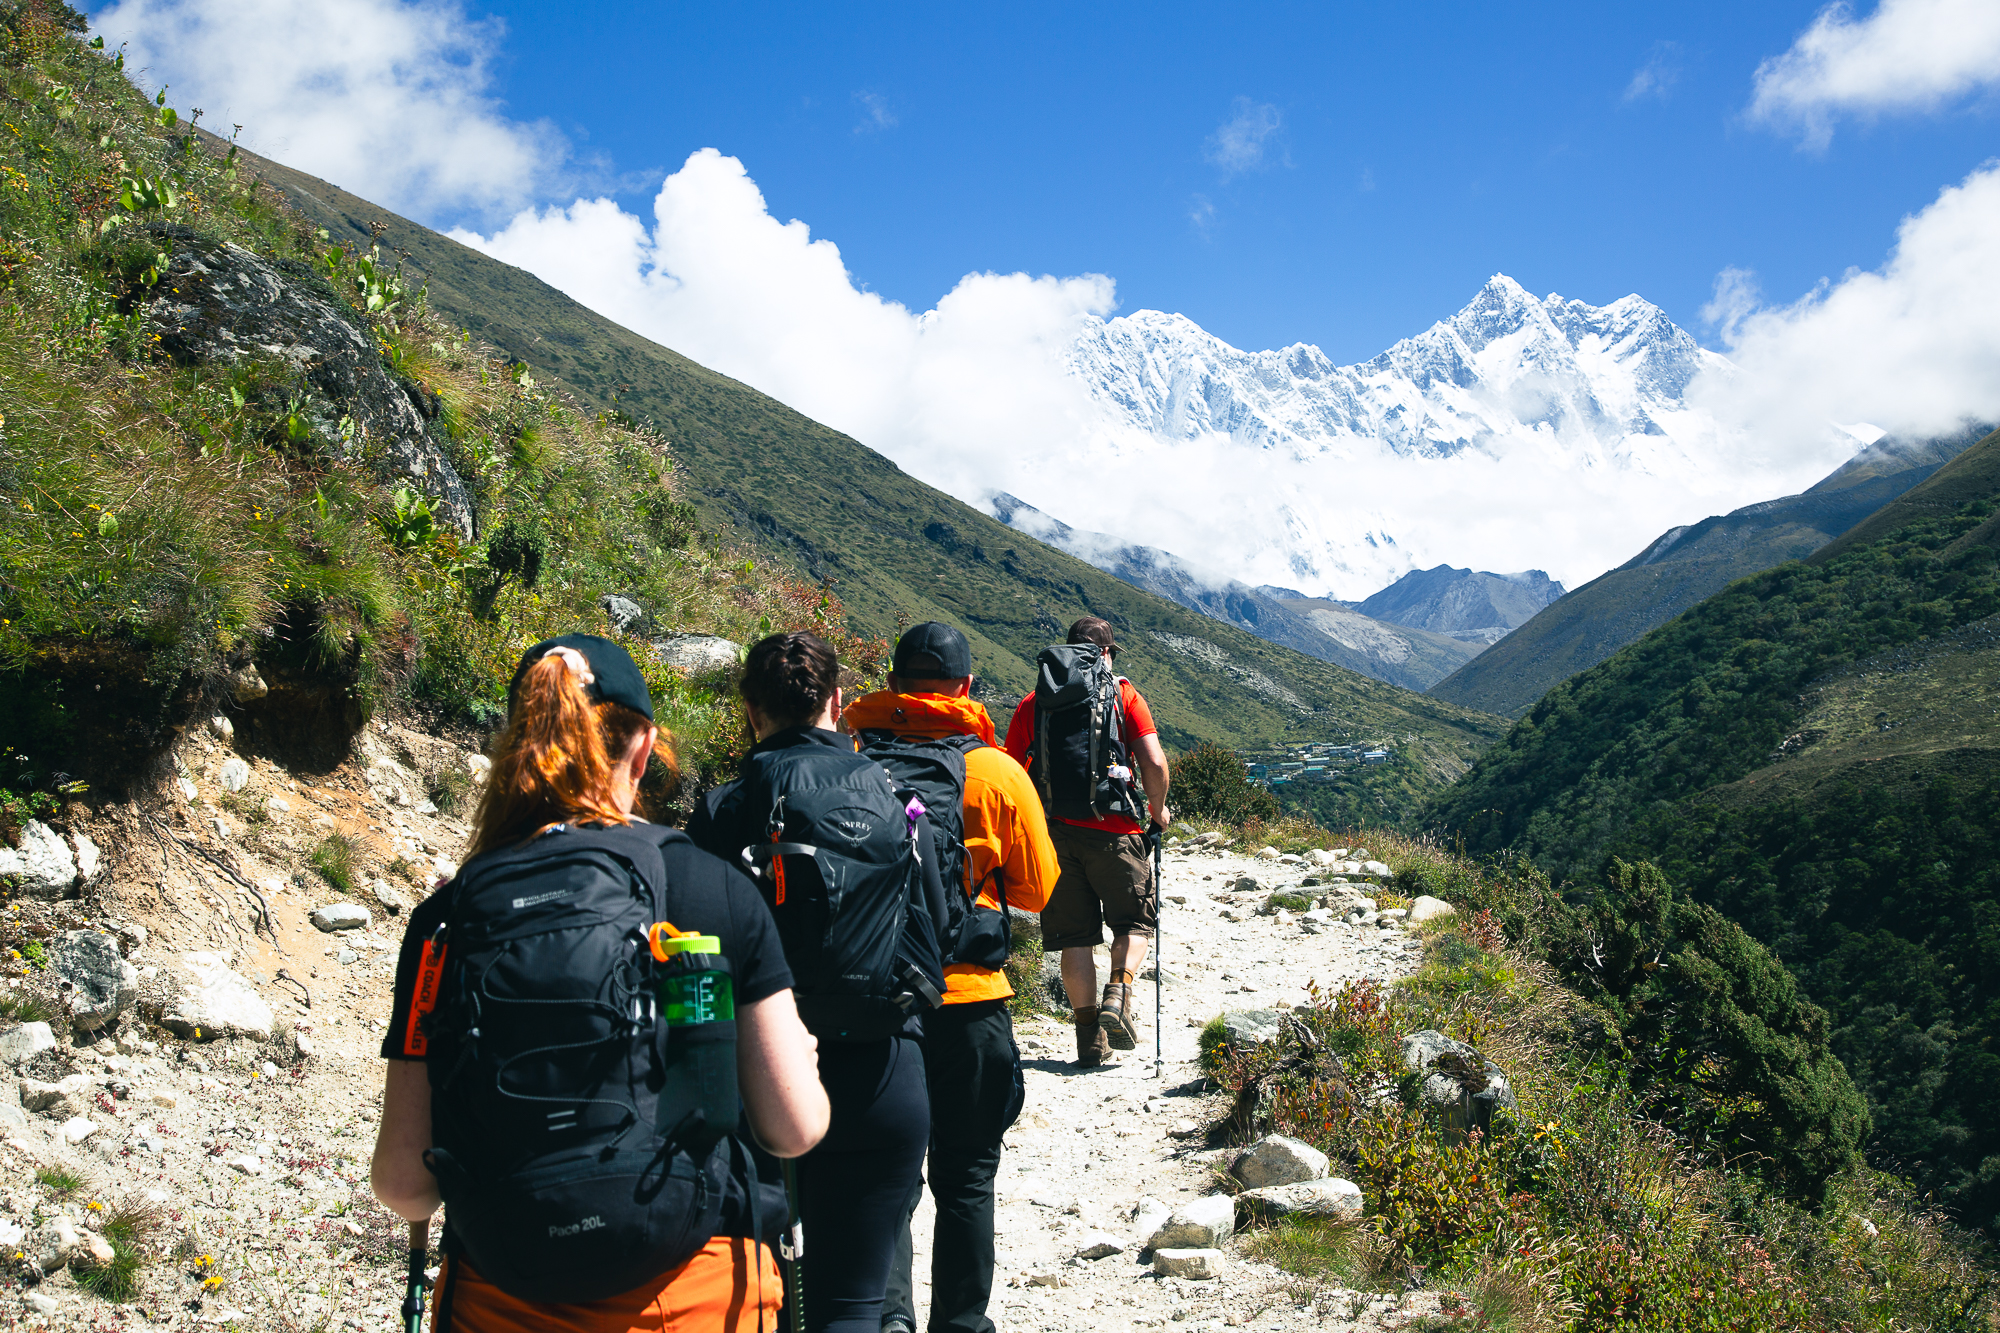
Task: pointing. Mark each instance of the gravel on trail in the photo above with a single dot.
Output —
(249, 1153)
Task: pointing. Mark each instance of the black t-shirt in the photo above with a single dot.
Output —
(749, 936)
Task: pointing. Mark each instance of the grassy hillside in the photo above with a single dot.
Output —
(895, 550)
(170, 520)
(1816, 752)
(1679, 569)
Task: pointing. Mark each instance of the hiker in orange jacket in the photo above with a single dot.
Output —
(971, 1061)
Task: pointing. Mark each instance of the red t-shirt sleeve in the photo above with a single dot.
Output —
(1021, 731)
(1138, 717)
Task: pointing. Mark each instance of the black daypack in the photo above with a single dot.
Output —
(581, 1145)
(842, 873)
(1081, 765)
(933, 770)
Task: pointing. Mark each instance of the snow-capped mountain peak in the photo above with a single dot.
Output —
(1542, 385)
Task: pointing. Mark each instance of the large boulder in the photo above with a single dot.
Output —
(698, 654)
(1242, 1029)
(61, 1100)
(1278, 1159)
(42, 866)
(1329, 1197)
(1462, 1086)
(1426, 908)
(218, 304)
(101, 984)
(213, 1001)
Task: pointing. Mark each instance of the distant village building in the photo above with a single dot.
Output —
(1375, 757)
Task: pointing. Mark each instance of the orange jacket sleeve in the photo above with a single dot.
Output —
(1006, 825)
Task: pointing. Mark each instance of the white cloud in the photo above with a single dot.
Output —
(392, 100)
(1201, 213)
(964, 395)
(1239, 144)
(1657, 77)
(1909, 55)
(875, 114)
(1913, 347)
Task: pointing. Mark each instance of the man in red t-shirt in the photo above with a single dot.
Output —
(1106, 874)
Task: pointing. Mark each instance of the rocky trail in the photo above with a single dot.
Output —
(206, 1087)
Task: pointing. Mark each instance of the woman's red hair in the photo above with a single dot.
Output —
(557, 761)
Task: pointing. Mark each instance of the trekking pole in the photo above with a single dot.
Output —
(413, 1297)
(792, 1249)
(1159, 958)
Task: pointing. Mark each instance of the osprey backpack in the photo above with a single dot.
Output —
(582, 1146)
(933, 770)
(1081, 765)
(843, 875)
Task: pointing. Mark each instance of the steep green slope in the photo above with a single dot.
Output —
(1816, 752)
(896, 550)
(1679, 569)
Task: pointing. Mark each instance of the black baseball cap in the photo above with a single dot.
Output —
(932, 651)
(618, 679)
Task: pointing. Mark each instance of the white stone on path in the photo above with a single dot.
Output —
(341, 916)
(235, 774)
(1329, 1197)
(249, 1166)
(1426, 908)
(1197, 1264)
(1279, 1159)
(78, 1129)
(1098, 1245)
(26, 1042)
(1197, 1224)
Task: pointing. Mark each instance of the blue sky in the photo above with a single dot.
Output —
(1391, 157)
(1417, 148)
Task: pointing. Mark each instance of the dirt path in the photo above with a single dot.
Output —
(254, 1153)
(1091, 1143)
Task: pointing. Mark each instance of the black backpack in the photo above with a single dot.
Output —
(842, 873)
(1081, 765)
(581, 1145)
(933, 770)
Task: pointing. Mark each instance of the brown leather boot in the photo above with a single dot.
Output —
(1092, 1047)
(1114, 1014)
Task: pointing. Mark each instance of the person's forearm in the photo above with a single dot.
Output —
(400, 1179)
(778, 1071)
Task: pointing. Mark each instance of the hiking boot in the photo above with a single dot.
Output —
(1093, 1048)
(1114, 1016)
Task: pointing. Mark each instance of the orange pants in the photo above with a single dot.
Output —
(715, 1291)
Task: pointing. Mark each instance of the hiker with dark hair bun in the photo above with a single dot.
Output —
(582, 1135)
(844, 861)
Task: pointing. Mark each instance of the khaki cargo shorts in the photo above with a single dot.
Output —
(1106, 880)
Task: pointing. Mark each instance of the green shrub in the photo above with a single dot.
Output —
(1210, 782)
(60, 1181)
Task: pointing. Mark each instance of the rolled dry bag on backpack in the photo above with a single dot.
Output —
(1079, 750)
(579, 1140)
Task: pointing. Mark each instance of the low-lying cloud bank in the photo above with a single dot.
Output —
(971, 396)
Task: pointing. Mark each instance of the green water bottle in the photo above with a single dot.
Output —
(697, 998)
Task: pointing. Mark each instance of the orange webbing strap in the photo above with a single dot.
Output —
(430, 970)
(670, 931)
(778, 881)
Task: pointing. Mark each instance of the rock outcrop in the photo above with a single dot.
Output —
(1457, 1082)
(218, 304)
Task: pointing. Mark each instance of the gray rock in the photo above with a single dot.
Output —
(1426, 908)
(347, 956)
(627, 615)
(235, 775)
(1328, 1197)
(1375, 868)
(1197, 1224)
(1199, 1265)
(13, 1119)
(25, 1042)
(102, 985)
(1462, 1086)
(53, 1243)
(213, 1001)
(1243, 1029)
(42, 1303)
(1278, 1159)
(222, 728)
(1320, 856)
(217, 304)
(1098, 1245)
(59, 1100)
(1247, 884)
(1148, 1216)
(341, 916)
(43, 865)
(698, 654)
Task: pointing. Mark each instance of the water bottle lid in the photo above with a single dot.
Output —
(667, 941)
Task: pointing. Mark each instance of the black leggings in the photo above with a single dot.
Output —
(853, 1186)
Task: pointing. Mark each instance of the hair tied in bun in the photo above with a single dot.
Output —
(578, 664)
